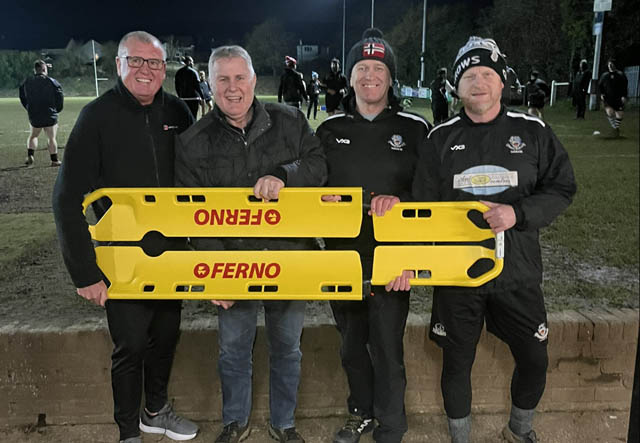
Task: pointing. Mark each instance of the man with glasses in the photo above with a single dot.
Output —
(125, 138)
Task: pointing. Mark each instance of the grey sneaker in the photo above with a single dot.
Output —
(289, 435)
(168, 423)
(132, 440)
(353, 429)
(56, 162)
(509, 437)
(232, 433)
(29, 160)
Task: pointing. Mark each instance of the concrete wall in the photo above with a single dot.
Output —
(65, 374)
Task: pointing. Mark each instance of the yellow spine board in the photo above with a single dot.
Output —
(447, 265)
(430, 222)
(225, 212)
(231, 275)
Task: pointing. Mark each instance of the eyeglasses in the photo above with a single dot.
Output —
(137, 62)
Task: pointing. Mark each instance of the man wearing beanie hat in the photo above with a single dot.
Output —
(374, 146)
(513, 163)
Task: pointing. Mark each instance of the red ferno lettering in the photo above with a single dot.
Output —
(237, 270)
(236, 217)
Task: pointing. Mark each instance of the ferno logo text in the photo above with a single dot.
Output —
(234, 217)
(237, 270)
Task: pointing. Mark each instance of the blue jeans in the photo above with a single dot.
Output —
(236, 335)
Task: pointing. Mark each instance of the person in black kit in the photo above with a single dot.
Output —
(530, 183)
(511, 94)
(613, 92)
(581, 89)
(536, 92)
(374, 145)
(43, 99)
(292, 88)
(335, 84)
(187, 83)
(439, 103)
(313, 91)
(125, 138)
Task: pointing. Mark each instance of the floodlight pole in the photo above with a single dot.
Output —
(95, 69)
(424, 43)
(372, 8)
(593, 98)
(344, 20)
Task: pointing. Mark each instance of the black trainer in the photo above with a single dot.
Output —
(289, 435)
(353, 429)
(232, 433)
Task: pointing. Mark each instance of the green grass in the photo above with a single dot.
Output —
(596, 237)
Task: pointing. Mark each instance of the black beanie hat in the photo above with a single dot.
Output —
(372, 47)
(479, 51)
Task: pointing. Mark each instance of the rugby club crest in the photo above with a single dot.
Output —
(396, 142)
(515, 144)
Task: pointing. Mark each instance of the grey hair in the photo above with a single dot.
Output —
(143, 37)
(228, 52)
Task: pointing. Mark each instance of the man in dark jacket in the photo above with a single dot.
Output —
(536, 93)
(581, 89)
(335, 84)
(439, 103)
(125, 138)
(514, 164)
(613, 92)
(374, 145)
(188, 85)
(292, 88)
(245, 143)
(42, 97)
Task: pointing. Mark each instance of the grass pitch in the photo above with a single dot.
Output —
(590, 252)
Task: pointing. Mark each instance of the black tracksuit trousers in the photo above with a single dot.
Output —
(144, 335)
(373, 358)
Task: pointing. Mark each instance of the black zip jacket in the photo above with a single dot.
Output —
(42, 97)
(116, 142)
(537, 181)
(278, 141)
(291, 87)
(380, 156)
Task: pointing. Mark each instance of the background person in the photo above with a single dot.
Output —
(43, 99)
(581, 89)
(439, 103)
(335, 84)
(532, 183)
(381, 154)
(265, 146)
(613, 92)
(292, 88)
(206, 95)
(536, 92)
(125, 138)
(187, 82)
(313, 91)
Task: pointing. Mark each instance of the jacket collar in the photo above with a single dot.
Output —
(260, 122)
(130, 100)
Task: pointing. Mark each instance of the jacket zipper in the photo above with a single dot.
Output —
(153, 146)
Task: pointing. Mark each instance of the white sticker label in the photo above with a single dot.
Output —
(485, 180)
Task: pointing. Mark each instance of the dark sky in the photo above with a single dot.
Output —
(36, 24)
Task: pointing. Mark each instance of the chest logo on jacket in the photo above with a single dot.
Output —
(169, 127)
(515, 144)
(343, 141)
(396, 142)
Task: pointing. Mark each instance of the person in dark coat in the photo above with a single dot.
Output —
(122, 139)
(187, 83)
(43, 99)
(292, 89)
(581, 89)
(313, 91)
(206, 95)
(335, 84)
(439, 103)
(536, 93)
